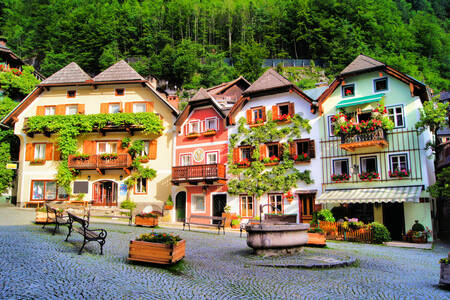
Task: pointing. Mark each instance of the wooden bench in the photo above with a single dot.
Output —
(98, 235)
(111, 212)
(36, 204)
(220, 224)
(243, 224)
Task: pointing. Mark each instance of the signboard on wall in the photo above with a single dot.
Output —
(122, 189)
(199, 155)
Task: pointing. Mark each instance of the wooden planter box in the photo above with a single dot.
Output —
(271, 164)
(209, 133)
(41, 217)
(444, 279)
(227, 217)
(156, 253)
(168, 207)
(143, 221)
(193, 135)
(317, 239)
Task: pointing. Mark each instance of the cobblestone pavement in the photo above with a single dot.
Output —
(36, 265)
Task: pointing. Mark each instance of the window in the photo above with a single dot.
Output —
(399, 162)
(194, 127)
(368, 164)
(71, 109)
(211, 158)
(106, 147)
(71, 94)
(39, 151)
(257, 115)
(211, 124)
(246, 153)
(198, 203)
(114, 108)
(246, 206)
(273, 150)
(283, 109)
(47, 190)
(341, 167)
(120, 92)
(380, 85)
(141, 186)
(139, 107)
(364, 116)
(145, 149)
(276, 200)
(395, 113)
(50, 110)
(302, 147)
(348, 90)
(330, 126)
(185, 160)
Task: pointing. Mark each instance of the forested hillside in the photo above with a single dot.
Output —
(186, 40)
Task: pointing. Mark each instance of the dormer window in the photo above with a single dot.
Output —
(120, 92)
(380, 85)
(211, 124)
(71, 94)
(194, 127)
(348, 90)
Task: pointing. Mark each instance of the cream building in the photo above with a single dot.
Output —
(70, 91)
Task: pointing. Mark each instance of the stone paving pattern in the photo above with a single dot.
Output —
(36, 265)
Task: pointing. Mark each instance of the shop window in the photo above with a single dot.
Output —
(47, 190)
(276, 200)
(246, 205)
(395, 113)
(348, 90)
(198, 203)
(380, 84)
(369, 164)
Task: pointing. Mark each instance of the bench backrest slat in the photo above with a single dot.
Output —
(207, 217)
(84, 223)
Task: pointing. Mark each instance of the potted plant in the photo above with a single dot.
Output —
(271, 161)
(444, 279)
(227, 215)
(146, 219)
(80, 156)
(158, 248)
(37, 161)
(369, 176)
(169, 203)
(245, 163)
(284, 118)
(109, 156)
(289, 196)
(316, 237)
(209, 132)
(235, 222)
(301, 157)
(399, 173)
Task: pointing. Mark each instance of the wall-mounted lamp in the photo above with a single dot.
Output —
(120, 177)
(89, 177)
(355, 169)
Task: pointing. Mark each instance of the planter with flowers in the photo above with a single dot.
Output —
(169, 203)
(146, 219)
(369, 176)
(235, 222)
(209, 132)
(193, 135)
(444, 279)
(157, 248)
(80, 156)
(316, 237)
(399, 174)
(340, 177)
(303, 157)
(271, 161)
(257, 122)
(109, 156)
(37, 162)
(245, 163)
(283, 119)
(289, 196)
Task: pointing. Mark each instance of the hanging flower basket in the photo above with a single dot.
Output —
(289, 196)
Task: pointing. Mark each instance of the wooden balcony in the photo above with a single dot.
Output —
(95, 162)
(376, 138)
(199, 173)
(443, 155)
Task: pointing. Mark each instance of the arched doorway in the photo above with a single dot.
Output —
(104, 193)
(180, 206)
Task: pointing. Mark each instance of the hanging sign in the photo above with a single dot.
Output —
(123, 189)
(199, 155)
(11, 166)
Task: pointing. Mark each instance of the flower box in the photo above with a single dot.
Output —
(209, 133)
(256, 125)
(146, 221)
(399, 174)
(193, 135)
(37, 162)
(157, 253)
(243, 163)
(301, 158)
(340, 177)
(444, 279)
(271, 164)
(317, 239)
(109, 156)
(369, 176)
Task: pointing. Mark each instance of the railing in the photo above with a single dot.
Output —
(198, 172)
(443, 155)
(97, 162)
(377, 135)
(335, 231)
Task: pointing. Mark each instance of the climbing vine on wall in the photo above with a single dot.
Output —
(257, 179)
(68, 127)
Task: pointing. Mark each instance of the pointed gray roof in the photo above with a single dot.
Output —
(120, 71)
(72, 73)
(268, 81)
(362, 63)
(202, 94)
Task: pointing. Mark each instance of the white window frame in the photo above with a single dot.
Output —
(108, 147)
(247, 201)
(379, 78)
(71, 106)
(39, 151)
(368, 157)
(354, 89)
(215, 125)
(212, 152)
(138, 187)
(194, 203)
(396, 155)
(330, 129)
(395, 115)
(48, 109)
(339, 160)
(110, 110)
(182, 155)
(135, 105)
(190, 130)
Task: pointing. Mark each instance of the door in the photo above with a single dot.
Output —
(306, 203)
(219, 203)
(180, 206)
(104, 193)
(394, 220)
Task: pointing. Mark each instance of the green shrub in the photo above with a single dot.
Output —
(315, 230)
(235, 222)
(417, 226)
(128, 204)
(325, 215)
(380, 233)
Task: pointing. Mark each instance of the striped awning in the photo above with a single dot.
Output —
(360, 100)
(374, 195)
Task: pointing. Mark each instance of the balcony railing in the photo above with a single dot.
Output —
(443, 155)
(197, 173)
(97, 162)
(376, 138)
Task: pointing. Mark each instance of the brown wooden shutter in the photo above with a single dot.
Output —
(280, 150)
(120, 149)
(81, 108)
(274, 112)
(291, 109)
(312, 149)
(60, 109)
(89, 147)
(56, 153)
(48, 151)
(129, 107)
(249, 116)
(236, 155)
(152, 149)
(292, 148)
(104, 108)
(262, 151)
(264, 114)
(40, 111)
(29, 152)
(149, 106)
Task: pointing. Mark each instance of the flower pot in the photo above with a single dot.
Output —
(228, 217)
(168, 207)
(317, 239)
(420, 239)
(237, 226)
(156, 253)
(145, 221)
(444, 279)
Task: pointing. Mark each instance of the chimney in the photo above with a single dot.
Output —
(3, 41)
(173, 100)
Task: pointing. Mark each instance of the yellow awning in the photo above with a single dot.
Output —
(374, 195)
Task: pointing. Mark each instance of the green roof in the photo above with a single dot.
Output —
(361, 100)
